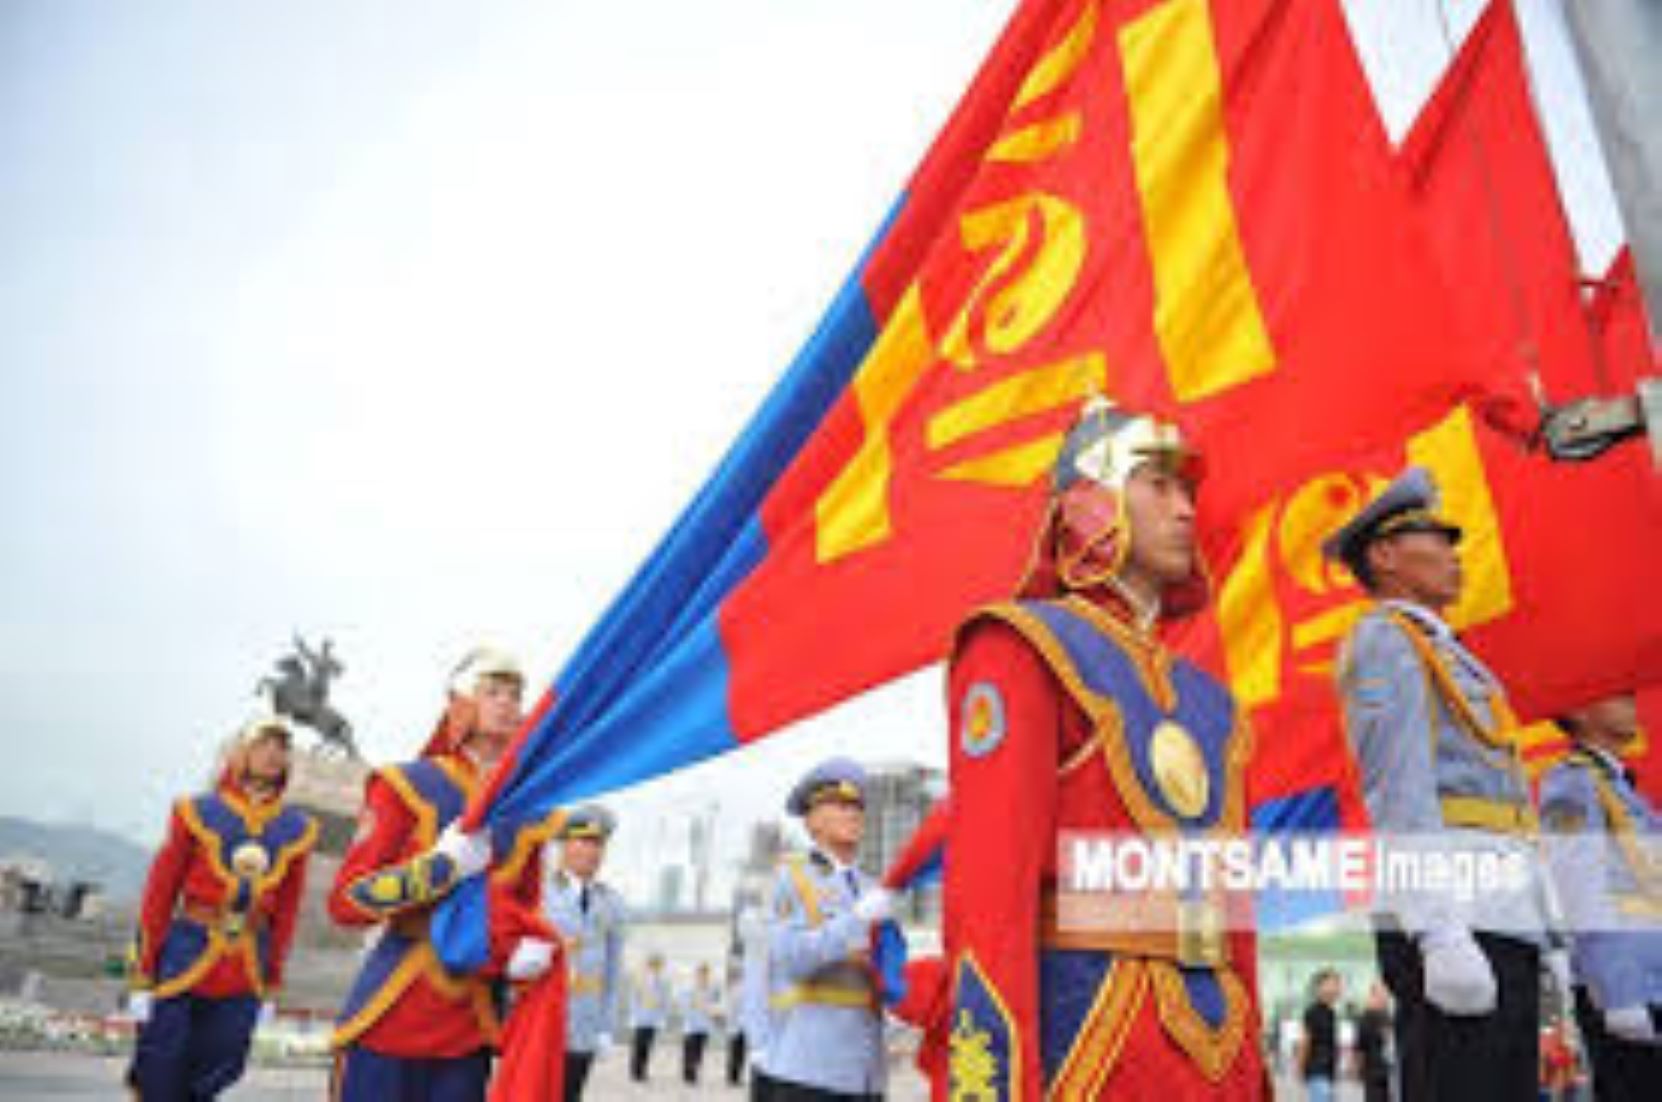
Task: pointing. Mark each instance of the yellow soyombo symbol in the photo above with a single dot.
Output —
(974, 1069)
(1045, 139)
(1282, 546)
(1014, 313)
(1206, 315)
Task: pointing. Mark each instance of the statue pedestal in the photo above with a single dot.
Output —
(325, 956)
(331, 788)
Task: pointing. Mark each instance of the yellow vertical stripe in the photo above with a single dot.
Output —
(853, 512)
(1250, 619)
(1449, 451)
(1206, 313)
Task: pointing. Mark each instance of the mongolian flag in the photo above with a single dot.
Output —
(1189, 206)
(1563, 586)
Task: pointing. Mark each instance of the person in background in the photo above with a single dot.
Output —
(649, 1002)
(755, 1015)
(1604, 842)
(590, 916)
(732, 1020)
(699, 1008)
(1558, 1063)
(1318, 1045)
(1373, 1045)
(825, 1040)
(218, 915)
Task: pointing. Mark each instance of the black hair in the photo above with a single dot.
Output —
(1357, 561)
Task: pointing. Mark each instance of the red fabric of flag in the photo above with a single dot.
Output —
(1190, 207)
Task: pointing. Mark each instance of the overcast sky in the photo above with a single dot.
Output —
(415, 325)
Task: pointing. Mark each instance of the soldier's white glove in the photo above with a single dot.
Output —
(602, 1042)
(139, 1005)
(1458, 978)
(1631, 1023)
(1557, 962)
(470, 853)
(268, 1014)
(875, 906)
(531, 958)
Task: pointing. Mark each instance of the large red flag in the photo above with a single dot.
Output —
(1565, 591)
(1621, 326)
(1478, 168)
(1189, 206)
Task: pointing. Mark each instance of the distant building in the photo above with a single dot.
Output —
(667, 899)
(900, 795)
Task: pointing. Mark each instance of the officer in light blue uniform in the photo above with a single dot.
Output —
(826, 1031)
(755, 1018)
(699, 1008)
(1435, 743)
(649, 1004)
(591, 918)
(1605, 842)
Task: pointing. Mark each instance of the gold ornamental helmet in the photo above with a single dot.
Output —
(262, 725)
(1108, 443)
(1087, 519)
(481, 663)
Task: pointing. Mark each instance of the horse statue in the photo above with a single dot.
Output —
(300, 692)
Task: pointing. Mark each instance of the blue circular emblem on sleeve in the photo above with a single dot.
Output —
(981, 721)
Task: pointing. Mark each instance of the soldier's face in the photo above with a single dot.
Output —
(582, 856)
(1613, 720)
(499, 707)
(837, 823)
(268, 759)
(497, 714)
(1160, 505)
(1424, 566)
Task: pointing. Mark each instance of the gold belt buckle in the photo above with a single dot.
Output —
(1199, 934)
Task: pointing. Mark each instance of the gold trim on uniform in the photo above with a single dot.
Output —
(1212, 1050)
(1096, 1047)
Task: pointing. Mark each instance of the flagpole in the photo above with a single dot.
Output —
(1617, 43)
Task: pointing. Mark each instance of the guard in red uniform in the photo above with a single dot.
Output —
(1068, 714)
(218, 916)
(412, 1030)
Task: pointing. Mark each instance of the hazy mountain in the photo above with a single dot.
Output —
(114, 863)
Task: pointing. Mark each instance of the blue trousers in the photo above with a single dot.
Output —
(365, 1076)
(192, 1047)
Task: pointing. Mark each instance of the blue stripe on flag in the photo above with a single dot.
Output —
(1314, 812)
(645, 693)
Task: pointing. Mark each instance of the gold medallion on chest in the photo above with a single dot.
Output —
(1179, 769)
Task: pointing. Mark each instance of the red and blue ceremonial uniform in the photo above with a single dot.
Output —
(1056, 709)
(218, 916)
(410, 1027)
